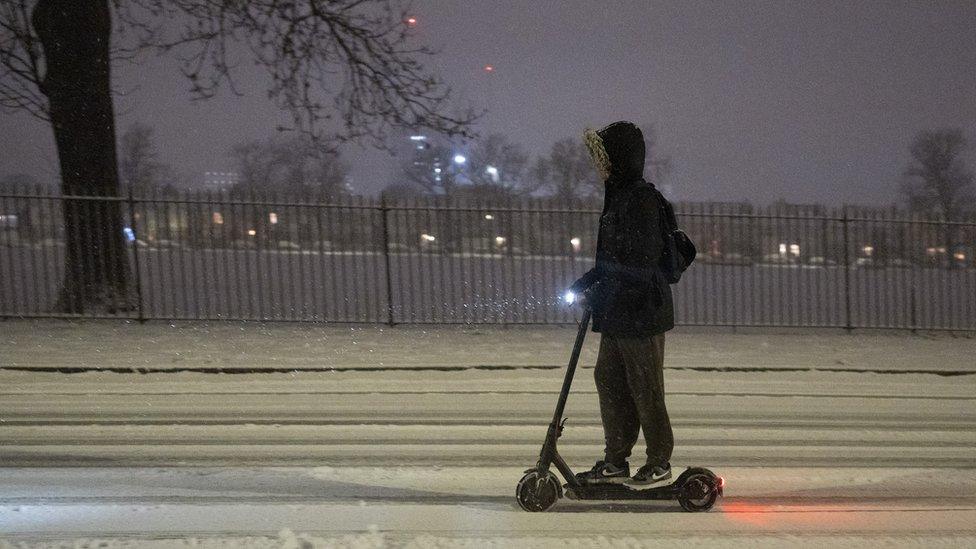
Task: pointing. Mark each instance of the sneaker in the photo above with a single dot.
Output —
(650, 474)
(604, 471)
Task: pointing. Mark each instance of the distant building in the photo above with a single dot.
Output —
(219, 181)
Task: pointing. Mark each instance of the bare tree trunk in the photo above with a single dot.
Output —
(75, 36)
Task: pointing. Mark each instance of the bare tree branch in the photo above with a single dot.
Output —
(21, 70)
(344, 69)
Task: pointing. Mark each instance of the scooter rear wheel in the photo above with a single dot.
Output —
(537, 492)
(698, 493)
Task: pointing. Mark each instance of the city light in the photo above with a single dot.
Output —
(427, 237)
(489, 68)
(273, 218)
(411, 21)
(218, 218)
(460, 159)
(493, 172)
(868, 250)
(795, 250)
(960, 256)
(575, 243)
(418, 138)
(489, 217)
(569, 297)
(437, 170)
(252, 232)
(500, 240)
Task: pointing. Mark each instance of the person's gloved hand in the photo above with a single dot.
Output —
(572, 297)
(576, 293)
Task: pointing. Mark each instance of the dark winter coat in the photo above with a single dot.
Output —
(626, 290)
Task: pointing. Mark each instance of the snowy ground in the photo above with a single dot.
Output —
(820, 441)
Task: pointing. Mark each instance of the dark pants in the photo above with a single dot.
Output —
(630, 381)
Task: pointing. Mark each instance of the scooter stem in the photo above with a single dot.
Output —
(571, 370)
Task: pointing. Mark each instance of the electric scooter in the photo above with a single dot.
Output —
(696, 489)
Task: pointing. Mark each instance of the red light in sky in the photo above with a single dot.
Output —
(489, 68)
(412, 21)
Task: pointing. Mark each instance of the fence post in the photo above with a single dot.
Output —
(386, 257)
(135, 254)
(913, 286)
(845, 223)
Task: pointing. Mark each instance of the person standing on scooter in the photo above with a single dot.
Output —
(632, 309)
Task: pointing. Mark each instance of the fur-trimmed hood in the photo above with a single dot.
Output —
(617, 151)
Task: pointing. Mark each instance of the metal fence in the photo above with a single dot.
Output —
(210, 256)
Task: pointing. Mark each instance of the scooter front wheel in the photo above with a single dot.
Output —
(537, 492)
(699, 492)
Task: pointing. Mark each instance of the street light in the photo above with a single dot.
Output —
(493, 172)
(460, 159)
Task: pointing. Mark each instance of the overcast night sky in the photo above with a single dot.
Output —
(807, 101)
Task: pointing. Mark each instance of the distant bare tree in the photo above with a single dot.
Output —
(497, 164)
(292, 167)
(344, 70)
(139, 167)
(567, 172)
(937, 180)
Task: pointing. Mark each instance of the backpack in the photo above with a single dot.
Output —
(679, 251)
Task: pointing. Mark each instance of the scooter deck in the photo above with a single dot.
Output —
(612, 490)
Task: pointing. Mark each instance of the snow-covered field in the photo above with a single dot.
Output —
(386, 444)
(494, 288)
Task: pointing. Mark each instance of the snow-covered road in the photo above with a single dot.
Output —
(372, 458)
(402, 504)
(413, 455)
